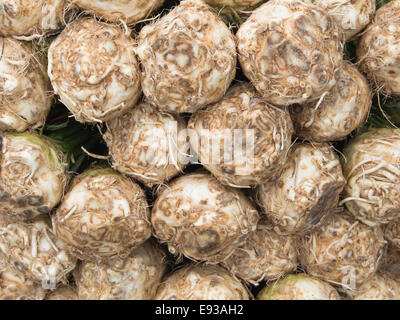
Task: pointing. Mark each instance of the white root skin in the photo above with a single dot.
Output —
(136, 277)
(298, 287)
(378, 51)
(33, 175)
(342, 110)
(93, 69)
(188, 58)
(63, 292)
(303, 196)
(25, 95)
(379, 287)
(372, 171)
(129, 11)
(103, 214)
(201, 282)
(344, 251)
(290, 51)
(31, 18)
(145, 144)
(253, 162)
(202, 219)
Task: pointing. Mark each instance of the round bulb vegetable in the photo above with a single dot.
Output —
(371, 165)
(147, 145)
(63, 292)
(309, 187)
(136, 277)
(379, 287)
(25, 92)
(379, 49)
(338, 113)
(129, 11)
(251, 137)
(298, 287)
(201, 282)
(343, 251)
(188, 58)
(202, 219)
(392, 233)
(33, 175)
(266, 255)
(290, 51)
(103, 214)
(93, 68)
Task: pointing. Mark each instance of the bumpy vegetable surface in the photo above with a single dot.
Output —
(63, 292)
(392, 233)
(234, 4)
(188, 58)
(379, 287)
(202, 219)
(94, 70)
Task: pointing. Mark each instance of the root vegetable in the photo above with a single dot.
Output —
(379, 287)
(25, 92)
(188, 58)
(201, 282)
(33, 175)
(136, 277)
(63, 292)
(93, 69)
(392, 233)
(237, 5)
(342, 110)
(372, 170)
(344, 251)
(266, 255)
(309, 187)
(145, 143)
(202, 219)
(255, 157)
(379, 49)
(290, 51)
(299, 287)
(129, 11)
(103, 214)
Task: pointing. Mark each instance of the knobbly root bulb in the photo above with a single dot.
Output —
(341, 111)
(301, 199)
(63, 292)
(103, 214)
(201, 282)
(25, 91)
(237, 5)
(371, 166)
(290, 51)
(242, 139)
(298, 287)
(147, 144)
(392, 233)
(379, 287)
(33, 175)
(201, 219)
(93, 68)
(188, 58)
(136, 277)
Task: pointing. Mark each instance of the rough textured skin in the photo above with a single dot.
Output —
(202, 219)
(94, 70)
(344, 109)
(14, 286)
(130, 11)
(351, 15)
(188, 58)
(25, 92)
(392, 233)
(32, 175)
(300, 200)
(371, 165)
(379, 49)
(266, 255)
(136, 277)
(290, 51)
(256, 158)
(145, 144)
(379, 287)
(103, 214)
(299, 287)
(235, 4)
(343, 251)
(35, 252)
(31, 17)
(201, 282)
(63, 292)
